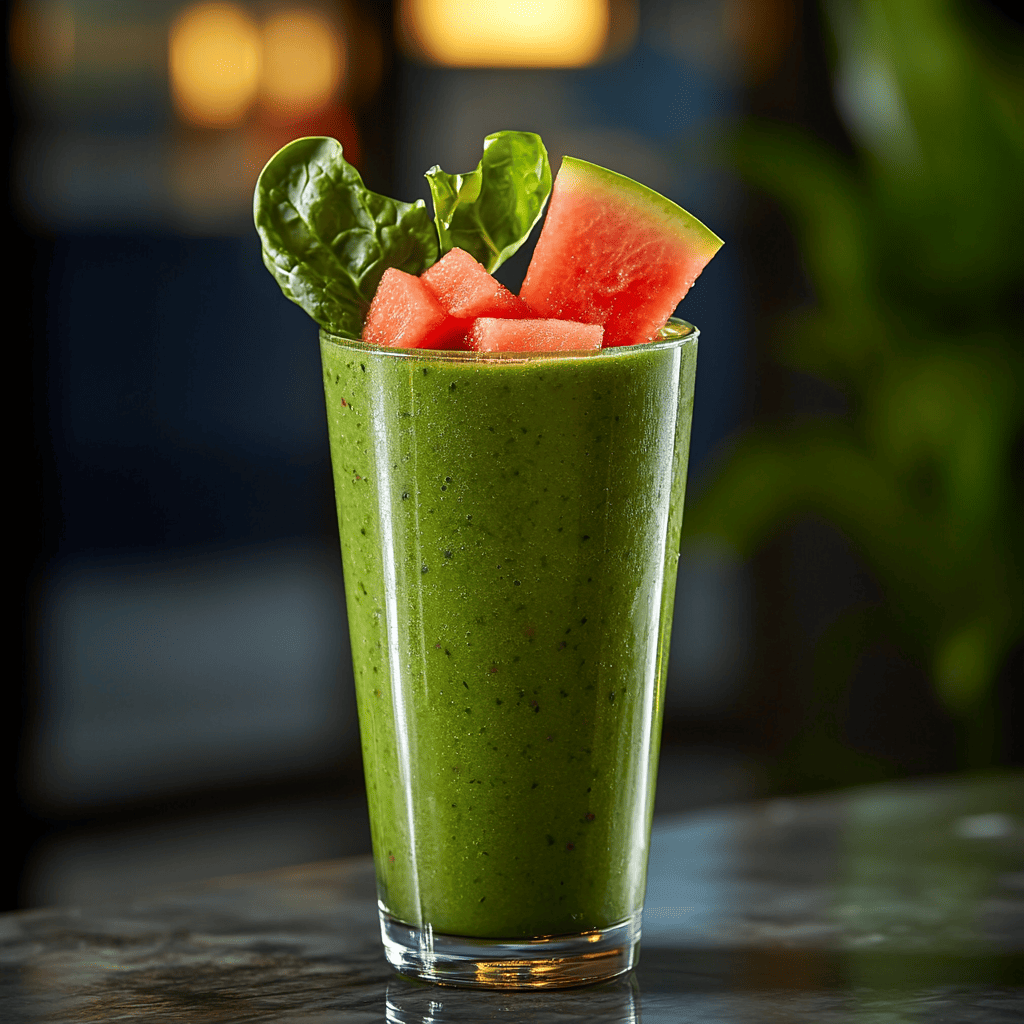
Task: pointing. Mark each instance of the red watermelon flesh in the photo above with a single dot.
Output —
(405, 314)
(494, 334)
(614, 252)
(465, 289)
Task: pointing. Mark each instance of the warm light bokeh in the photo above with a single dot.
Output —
(303, 63)
(506, 33)
(215, 60)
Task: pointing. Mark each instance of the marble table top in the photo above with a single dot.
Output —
(885, 904)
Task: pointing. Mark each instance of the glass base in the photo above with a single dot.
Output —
(556, 961)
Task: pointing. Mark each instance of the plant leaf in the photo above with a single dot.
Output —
(490, 212)
(328, 239)
(827, 204)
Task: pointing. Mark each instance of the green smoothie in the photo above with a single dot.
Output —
(510, 532)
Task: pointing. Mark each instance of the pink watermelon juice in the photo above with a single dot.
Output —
(510, 531)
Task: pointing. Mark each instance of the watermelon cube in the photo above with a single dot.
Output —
(614, 252)
(465, 289)
(405, 314)
(493, 334)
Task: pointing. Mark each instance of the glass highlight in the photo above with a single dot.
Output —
(510, 533)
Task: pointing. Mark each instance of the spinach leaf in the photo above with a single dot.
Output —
(327, 239)
(489, 212)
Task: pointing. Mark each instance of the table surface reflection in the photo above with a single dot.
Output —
(889, 903)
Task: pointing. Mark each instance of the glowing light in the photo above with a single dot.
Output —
(303, 63)
(506, 33)
(215, 58)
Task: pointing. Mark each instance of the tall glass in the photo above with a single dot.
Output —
(510, 534)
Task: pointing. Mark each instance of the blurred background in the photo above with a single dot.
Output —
(850, 603)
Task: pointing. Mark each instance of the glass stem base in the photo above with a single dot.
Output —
(556, 961)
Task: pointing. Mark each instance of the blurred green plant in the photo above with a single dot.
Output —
(914, 251)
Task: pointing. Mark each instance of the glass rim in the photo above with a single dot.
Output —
(674, 334)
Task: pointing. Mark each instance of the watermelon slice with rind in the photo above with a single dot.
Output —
(614, 252)
(497, 334)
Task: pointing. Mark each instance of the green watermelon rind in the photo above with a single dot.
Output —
(668, 215)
